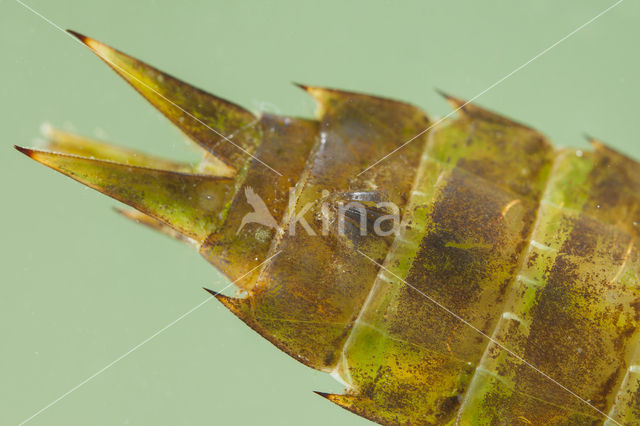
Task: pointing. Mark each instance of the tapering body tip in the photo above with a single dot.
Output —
(322, 394)
(596, 143)
(41, 156)
(442, 93)
(304, 87)
(26, 151)
(238, 306)
(100, 49)
(316, 91)
(469, 109)
(81, 37)
(213, 292)
(452, 100)
(128, 213)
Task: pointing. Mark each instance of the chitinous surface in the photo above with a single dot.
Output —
(507, 295)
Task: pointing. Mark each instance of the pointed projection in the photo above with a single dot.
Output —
(222, 128)
(146, 220)
(70, 143)
(189, 203)
(473, 111)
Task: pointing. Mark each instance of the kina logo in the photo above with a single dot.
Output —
(260, 213)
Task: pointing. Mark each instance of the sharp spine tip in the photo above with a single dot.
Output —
(322, 394)
(26, 151)
(81, 37)
(453, 101)
(118, 210)
(589, 138)
(304, 87)
(442, 93)
(214, 293)
(595, 143)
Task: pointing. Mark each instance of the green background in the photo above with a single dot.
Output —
(81, 286)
